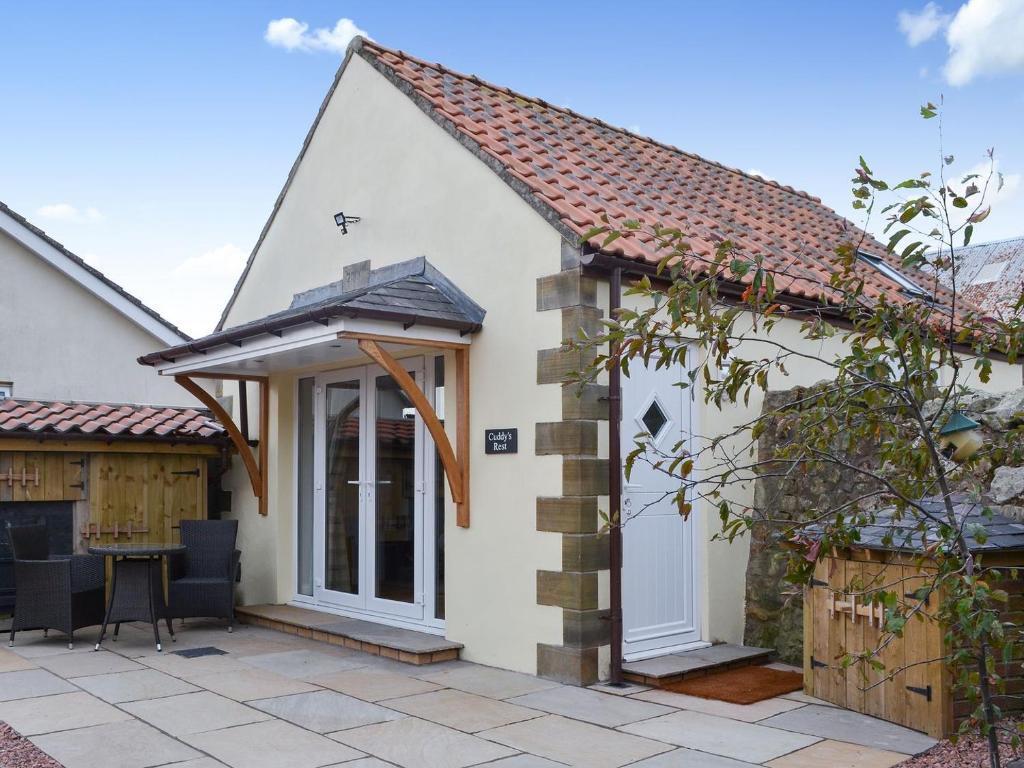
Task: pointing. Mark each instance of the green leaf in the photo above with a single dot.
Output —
(959, 202)
(968, 231)
(928, 111)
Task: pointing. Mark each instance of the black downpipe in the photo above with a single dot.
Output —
(615, 490)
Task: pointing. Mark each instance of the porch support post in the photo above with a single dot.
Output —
(462, 431)
(452, 469)
(257, 473)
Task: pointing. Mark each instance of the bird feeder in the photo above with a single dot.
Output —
(959, 438)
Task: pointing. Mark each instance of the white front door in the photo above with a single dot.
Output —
(660, 569)
(370, 486)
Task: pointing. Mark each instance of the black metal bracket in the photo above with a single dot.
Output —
(926, 691)
(79, 462)
(815, 664)
(818, 583)
(913, 596)
(193, 472)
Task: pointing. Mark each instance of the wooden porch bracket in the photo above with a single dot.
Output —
(456, 466)
(257, 470)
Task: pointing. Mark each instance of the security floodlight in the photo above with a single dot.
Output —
(343, 221)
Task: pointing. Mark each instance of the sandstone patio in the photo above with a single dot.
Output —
(259, 698)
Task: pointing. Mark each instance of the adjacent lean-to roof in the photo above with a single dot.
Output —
(107, 421)
(990, 275)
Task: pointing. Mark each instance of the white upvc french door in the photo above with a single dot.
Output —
(369, 494)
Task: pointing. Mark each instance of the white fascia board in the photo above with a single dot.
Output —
(267, 345)
(87, 280)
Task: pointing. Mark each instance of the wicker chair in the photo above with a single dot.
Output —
(201, 581)
(62, 592)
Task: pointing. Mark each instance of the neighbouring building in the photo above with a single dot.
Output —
(401, 321)
(99, 451)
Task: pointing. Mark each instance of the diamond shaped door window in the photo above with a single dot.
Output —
(654, 419)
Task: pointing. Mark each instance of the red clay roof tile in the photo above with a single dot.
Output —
(29, 418)
(582, 169)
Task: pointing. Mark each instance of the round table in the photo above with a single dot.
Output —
(137, 588)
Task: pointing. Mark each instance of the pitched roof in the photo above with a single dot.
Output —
(79, 268)
(574, 170)
(409, 292)
(578, 169)
(106, 421)
(990, 275)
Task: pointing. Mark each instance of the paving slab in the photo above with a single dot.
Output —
(364, 762)
(194, 713)
(372, 684)
(62, 712)
(591, 706)
(201, 762)
(325, 711)
(574, 743)
(488, 681)
(525, 761)
(119, 687)
(305, 665)
(803, 698)
(12, 662)
(414, 743)
(838, 754)
(31, 645)
(271, 744)
(462, 711)
(721, 736)
(691, 758)
(101, 662)
(252, 684)
(748, 713)
(29, 683)
(189, 669)
(116, 745)
(664, 666)
(844, 725)
(624, 689)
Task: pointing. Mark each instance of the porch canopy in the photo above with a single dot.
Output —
(409, 305)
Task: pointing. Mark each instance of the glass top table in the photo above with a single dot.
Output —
(137, 587)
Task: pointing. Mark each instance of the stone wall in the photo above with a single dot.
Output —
(774, 607)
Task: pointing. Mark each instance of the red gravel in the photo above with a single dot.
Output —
(18, 752)
(968, 752)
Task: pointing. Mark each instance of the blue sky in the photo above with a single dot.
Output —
(152, 138)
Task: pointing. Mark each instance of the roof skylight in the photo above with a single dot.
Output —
(880, 264)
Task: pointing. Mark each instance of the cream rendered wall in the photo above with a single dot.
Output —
(60, 342)
(420, 193)
(725, 564)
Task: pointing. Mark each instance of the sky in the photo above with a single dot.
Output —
(153, 138)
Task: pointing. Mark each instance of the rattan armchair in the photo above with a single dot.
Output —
(61, 592)
(201, 581)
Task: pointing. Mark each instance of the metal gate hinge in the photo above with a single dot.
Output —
(815, 664)
(193, 472)
(926, 691)
(818, 583)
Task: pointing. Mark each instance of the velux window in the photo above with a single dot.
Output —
(6, 389)
(904, 282)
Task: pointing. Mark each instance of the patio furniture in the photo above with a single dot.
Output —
(62, 592)
(136, 592)
(201, 581)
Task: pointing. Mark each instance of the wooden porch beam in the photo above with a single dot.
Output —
(407, 341)
(256, 473)
(462, 431)
(452, 469)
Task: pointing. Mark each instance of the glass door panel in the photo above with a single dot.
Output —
(395, 475)
(342, 486)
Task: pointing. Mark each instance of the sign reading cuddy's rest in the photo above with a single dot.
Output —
(501, 441)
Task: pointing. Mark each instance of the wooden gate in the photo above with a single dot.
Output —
(914, 689)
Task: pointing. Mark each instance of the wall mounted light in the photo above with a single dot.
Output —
(959, 438)
(342, 221)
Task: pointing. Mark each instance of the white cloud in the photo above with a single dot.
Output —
(193, 292)
(922, 26)
(294, 35)
(985, 38)
(223, 261)
(759, 172)
(68, 212)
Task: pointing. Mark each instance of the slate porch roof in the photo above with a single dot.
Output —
(107, 421)
(409, 292)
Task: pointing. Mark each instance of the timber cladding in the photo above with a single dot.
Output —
(920, 695)
(138, 497)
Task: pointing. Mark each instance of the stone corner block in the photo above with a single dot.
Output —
(567, 514)
(587, 402)
(574, 666)
(577, 591)
(577, 438)
(584, 476)
(566, 289)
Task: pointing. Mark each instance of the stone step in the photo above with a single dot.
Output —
(379, 639)
(662, 670)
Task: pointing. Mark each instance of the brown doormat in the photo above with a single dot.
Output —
(743, 685)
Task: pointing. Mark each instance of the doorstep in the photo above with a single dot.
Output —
(379, 639)
(662, 670)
